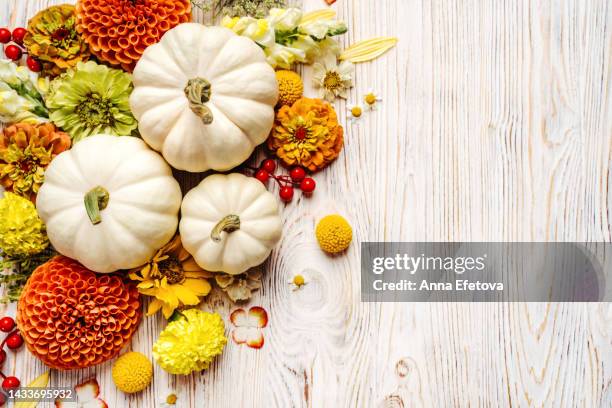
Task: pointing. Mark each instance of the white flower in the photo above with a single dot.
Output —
(355, 112)
(258, 30)
(333, 80)
(21, 94)
(297, 281)
(282, 56)
(323, 28)
(371, 100)
(284, 19)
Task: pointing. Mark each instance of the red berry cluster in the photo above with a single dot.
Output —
(296, 178)
(15, 51)
(13, 340)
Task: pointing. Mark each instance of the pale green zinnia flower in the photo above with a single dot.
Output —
(92, 99)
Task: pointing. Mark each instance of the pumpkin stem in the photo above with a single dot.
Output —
(197, 92)
(229, 223)
(95, 201)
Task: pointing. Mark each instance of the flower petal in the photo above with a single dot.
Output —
(258, 317)
(87, 391)
(239, 318)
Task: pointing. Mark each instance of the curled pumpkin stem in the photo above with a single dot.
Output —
(229, 223)
(198, 92)
(96, 200)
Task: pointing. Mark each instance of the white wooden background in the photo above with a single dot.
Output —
(496, 125)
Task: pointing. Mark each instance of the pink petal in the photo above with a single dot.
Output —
(258, 317)
(87, 391)
(239, 317)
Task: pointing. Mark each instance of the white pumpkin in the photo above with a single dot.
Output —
(109, 202)
(229, 223)
(204, 97)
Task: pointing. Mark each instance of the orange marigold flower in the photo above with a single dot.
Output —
(72, 318)
(118, 31)
(25, 152)
(307, 134)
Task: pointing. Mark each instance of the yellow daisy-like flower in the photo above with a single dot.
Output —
(334, 234)
(173, 278)
(307, 134)
(190, 342)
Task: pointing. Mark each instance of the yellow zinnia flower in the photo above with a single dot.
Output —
(307, 134)
(173, 278)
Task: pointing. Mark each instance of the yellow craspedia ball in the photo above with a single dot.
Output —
(290, 87)
(334, 233)
(132, 372)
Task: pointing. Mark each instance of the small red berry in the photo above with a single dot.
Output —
(14, 341)
(33, 64)
(262, 175)
(308, 185)
(269, 166)
(13, 52)
(18, 35)
(5, 36)
(7, 324)
(2, 399)
(10, 382)
(2, 356)
(297, 173)
(286, 193)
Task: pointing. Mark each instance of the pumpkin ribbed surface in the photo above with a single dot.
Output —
(118, 31)
(72, 318)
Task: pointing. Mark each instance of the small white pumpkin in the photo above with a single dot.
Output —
(204, 97)
(229, 223)
(109, 202)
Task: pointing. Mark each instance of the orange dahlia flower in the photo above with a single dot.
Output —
(307, 134)
(118, 31)
(71, 318)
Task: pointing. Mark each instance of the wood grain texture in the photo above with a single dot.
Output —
(496, 125)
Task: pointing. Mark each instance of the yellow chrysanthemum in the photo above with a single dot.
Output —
(132, 372)
(334, 234)
(191, 342)
(173, 278)
(22, 232)
(307, 134)
(290, 87)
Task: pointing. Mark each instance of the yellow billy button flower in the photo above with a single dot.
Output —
(290, 87)
(132, 372)
(334, 234)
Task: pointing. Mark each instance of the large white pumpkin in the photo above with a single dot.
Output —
(204, 97)
(229, 223)
(109, 202)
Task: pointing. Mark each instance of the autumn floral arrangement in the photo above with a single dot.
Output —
(100, 101)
